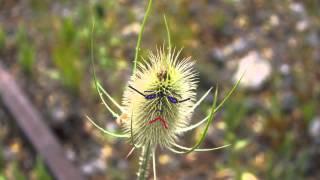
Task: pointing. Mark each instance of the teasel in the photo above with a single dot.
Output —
(158, 103)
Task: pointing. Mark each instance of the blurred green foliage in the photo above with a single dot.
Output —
(16, 171)
(309, 110)
(40, 171)
(220, 19)
(2, 38)
(26, 51)
(66, 55)
(71, 50)
(2, 164)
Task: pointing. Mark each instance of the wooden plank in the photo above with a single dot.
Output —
(37, 132)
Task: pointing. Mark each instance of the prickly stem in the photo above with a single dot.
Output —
(144, 162)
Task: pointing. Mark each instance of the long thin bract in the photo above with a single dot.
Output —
(200, 150)
(204, 133)
(229, 94)
(140, 36)
(192, 109)
(106, 131)
(200, 100)
(109, 96)
(114, 114)
(193, 126)
(168, 32)
(197, 150)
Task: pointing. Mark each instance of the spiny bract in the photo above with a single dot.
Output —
(159, 98)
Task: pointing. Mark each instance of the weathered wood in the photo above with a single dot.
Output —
(33, 126)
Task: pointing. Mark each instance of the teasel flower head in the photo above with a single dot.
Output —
(159, 98)
(158, 103)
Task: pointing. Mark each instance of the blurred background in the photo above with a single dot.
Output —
(272, 121)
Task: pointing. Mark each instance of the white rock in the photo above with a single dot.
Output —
(94, 166)
(133, 28)
(314, 129)
(285, 69)
(257, 70)
(302, 25)
(274, 20)
(297, 8)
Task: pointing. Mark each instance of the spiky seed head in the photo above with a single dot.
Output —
(162, 74)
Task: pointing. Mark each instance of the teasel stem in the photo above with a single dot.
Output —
(144, 162)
